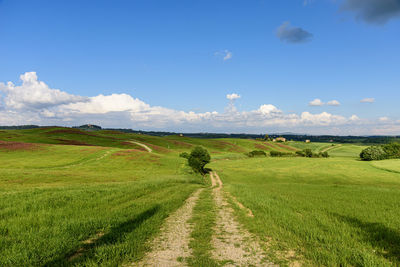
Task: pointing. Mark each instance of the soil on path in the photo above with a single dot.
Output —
(330, 148)
(171, 247)
(233, 244)
(142, 145)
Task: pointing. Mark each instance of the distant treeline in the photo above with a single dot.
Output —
(19, 127)
(342, 139)
(294, 137)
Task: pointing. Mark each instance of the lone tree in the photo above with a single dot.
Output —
(198, 158)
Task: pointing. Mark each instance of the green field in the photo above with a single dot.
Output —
(69, 197)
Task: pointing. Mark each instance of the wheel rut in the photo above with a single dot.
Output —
(233, 244)
(171, 247)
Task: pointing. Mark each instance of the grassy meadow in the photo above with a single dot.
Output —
(75, 198)
(334, 212)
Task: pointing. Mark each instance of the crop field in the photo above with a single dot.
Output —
(75, 198)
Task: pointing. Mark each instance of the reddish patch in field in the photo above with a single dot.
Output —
(287, 147)
(180, 143)
(70, 131)
(271, 146)
(111, 132)
(262, 147)
(232, 147)
(13, 146)
(157, 148)
(72, 142)
(127, 152)
(130, 144)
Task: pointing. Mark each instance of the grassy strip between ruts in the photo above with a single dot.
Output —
(204, 221)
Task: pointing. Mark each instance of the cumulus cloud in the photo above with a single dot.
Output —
(354, 118)
(367, 100)
(373, 11)
(333, 103)
(232, 96)
(290, 34)
(316, 102)
(54, 107)
(35, 94)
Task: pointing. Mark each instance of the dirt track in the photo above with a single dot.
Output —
(142, 145)
(232, 243)
(173, 242)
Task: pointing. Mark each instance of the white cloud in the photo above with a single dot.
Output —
(225, 54)
(323, 118)
(383, 119)
(34, 94)
(316, 102)
(367, 100)
(33, 102)
(269, 109)
(228, 55)
(333, 103)
(232, 96)
(354, 118)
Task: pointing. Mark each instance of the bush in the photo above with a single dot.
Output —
(280, 154)
(324, 154)
(392, 150)
(184, 155)
(373, 153)
(308, 153)
(198, 158)
(255, 153)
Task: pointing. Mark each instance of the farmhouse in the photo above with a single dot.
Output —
(280, 139)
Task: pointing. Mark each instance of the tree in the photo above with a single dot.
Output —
(373, 153)
(198, 158)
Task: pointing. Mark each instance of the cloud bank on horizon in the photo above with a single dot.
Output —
(33, 102)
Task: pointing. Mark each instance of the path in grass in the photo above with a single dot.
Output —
(142, 145)
(233, 244)
(330, 148)
(171, 247)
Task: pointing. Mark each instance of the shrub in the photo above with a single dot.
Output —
(255, 153)
(324, 154)
(373, 153)
(198, 158)
(308, 153)
(280, 154)
(184, 155)
(300, 153)
(392, 150)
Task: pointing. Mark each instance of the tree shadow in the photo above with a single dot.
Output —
(114, 236)
(207, 170)
(378, 235)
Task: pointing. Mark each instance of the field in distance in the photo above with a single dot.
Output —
(73, 197)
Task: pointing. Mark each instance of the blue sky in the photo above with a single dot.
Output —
(182, 56)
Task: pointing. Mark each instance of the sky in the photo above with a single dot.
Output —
(232, 66)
